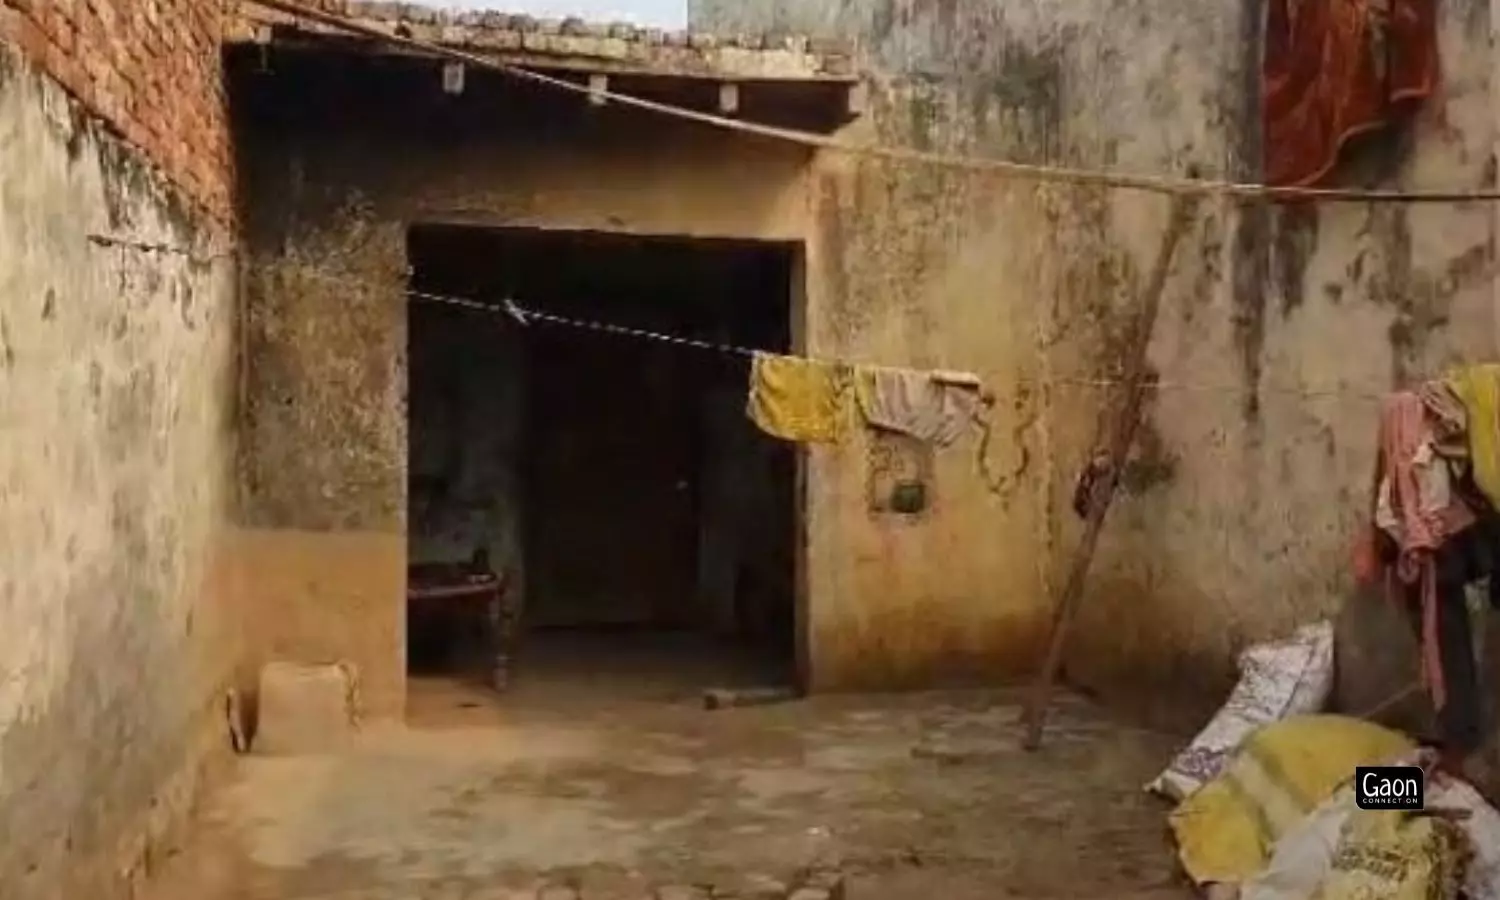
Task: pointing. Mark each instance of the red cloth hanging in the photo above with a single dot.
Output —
(1334, 69)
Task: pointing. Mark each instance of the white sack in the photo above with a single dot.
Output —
(1278, 680)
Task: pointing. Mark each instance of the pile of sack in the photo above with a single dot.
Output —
(1265, 797)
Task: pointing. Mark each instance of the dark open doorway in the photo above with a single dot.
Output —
(645, 530)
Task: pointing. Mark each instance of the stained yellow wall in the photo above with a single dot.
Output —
(954, 594)
(1280, 325)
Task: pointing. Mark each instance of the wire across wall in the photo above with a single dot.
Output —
(520, 312)
(523, 315)
(1160, 184)
(1169, 185)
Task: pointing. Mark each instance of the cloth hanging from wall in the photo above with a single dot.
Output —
(937, 407)
(797, 399)
(1478, 389)
(1415, 504)
(1334, 69)
(1449, 419)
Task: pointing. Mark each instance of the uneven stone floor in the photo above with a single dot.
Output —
(917, 796)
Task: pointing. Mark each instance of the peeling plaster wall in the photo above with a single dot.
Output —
(323, 463)
(1240, 506)
(955, 593)
(116, 389)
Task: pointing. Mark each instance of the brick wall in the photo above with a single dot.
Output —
(150, 69)
(117, 403)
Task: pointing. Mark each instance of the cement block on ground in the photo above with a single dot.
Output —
(753, 887)
(731, 698)
(306, 708)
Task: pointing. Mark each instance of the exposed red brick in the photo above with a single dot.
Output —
(66, 36)
(153, 75)
(90, 29)
(25, 33)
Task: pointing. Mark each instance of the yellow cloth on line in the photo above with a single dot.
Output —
(1227, 830)
(1478, 388)
(798, 399)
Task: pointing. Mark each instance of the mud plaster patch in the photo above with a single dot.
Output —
(7, 349)
(1152, 463)
(1295, 242)
(1250, 278)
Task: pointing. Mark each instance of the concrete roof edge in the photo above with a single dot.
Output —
(575, 44)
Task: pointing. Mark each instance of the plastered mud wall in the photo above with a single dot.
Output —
(333, 183)
(890, 275)
(116, 390)
(1279, 326)
(324, 442)
(891, 601)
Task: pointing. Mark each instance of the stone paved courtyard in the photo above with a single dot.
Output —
(560, 796)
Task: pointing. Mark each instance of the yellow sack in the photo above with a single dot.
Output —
(1395, 855)
(1478, 388)
(1227, 829)
(798, 399)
